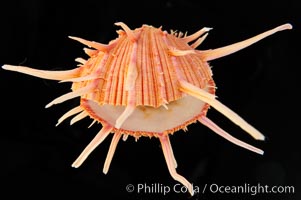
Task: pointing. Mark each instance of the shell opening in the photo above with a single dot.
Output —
(149, 119)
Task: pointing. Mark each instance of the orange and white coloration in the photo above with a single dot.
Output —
(147, 82)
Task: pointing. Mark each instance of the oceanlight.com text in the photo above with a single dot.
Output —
(213, 188)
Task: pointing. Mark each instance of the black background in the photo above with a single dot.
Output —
(259, 83)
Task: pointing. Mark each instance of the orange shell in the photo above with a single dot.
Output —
(156, 68)
(147, 83)
(144, 70)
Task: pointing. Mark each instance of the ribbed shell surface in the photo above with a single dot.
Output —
(158, 69)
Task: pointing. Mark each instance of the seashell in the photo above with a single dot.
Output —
(147, 82)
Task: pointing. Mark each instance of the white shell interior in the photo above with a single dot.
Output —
(151, 119)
